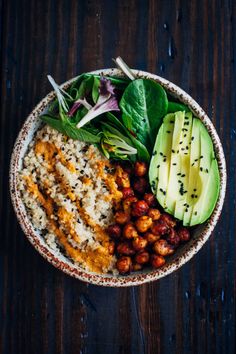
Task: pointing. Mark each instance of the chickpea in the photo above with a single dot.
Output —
(151, 238)
(114, 231)
(124, 264)
(139, 208)
(127, 192)
(183, 234)
(154, 214)
(122, 178)
(140, 169)
(150, 199)
(168, 220)
(159, 228)
(142, 257)
(121, 217)
(137, 267)
(173, 238)
(157, 261)
(143, 223)
(111, 247)
(140, 185)
(129, 231)
(125, 249)
(163, 248)
(128, 202)
(139, 243)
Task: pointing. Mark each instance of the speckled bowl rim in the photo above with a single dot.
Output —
(185, 253)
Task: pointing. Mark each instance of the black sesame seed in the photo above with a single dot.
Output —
(173, 151)
(201, 168)
(207, 170)
(174, 163)
(185, 135)
(168, 131)
(180, 142)
(183, 175)
(194, 190)
(195, 213)
(161, 153)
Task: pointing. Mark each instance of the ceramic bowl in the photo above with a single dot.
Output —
(200, 234)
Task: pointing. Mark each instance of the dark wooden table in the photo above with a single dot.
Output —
(193, 44)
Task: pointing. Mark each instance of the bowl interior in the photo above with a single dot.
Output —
(200, 234)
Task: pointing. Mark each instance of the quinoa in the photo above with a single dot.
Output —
(69, 191)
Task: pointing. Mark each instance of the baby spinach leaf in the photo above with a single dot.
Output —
(176, 107)
(143, 104)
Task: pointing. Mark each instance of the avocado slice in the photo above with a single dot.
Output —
(159, 165)
(181, 205)
(208, 183)
(195, 152)
(172, 189)
(155, 161)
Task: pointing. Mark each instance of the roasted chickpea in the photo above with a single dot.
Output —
(127, 192)
(151, 238)
(173, 238)
(129, 231)
(139, 208)
(140, 169)
(139, 243)
(157, 261)
(128, 202)
(114, 231)
(122, 178)
(111, 247)
(183, 234)
(142, 257)
(140, 185)
(143, 223)
(125, 248)
(121, 217)
(163, 248)
(159, 228)
(124, 264)
(150, 199)
(168, 220)
(137, 267)
(154, 214)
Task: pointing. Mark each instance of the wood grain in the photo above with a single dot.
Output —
(192, 43)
